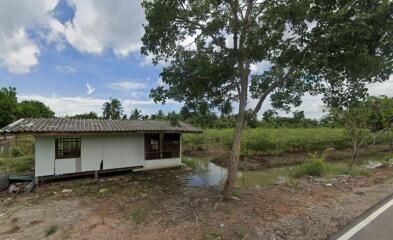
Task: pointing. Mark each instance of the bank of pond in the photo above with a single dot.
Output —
(207, 173)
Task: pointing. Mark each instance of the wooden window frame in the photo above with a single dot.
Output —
(168, 146)
(73, 152)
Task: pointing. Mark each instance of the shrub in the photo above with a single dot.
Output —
(16, 152)
(313, 167)
(137, 215)
(271, 141)
(190, 162)
(51, 230)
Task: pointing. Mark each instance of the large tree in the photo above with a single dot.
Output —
(8, 106)
(136, 114)
(33, 109)
(112, 109)
(329, 47)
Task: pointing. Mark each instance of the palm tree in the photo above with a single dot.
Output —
(136, 114)
(112, 109)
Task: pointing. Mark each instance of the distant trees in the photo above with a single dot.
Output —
(11, 110)
(89, 115)
(136, 114)
(112, 109)
(8, 106)
(33, 109)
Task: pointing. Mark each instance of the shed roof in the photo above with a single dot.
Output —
(61, 125)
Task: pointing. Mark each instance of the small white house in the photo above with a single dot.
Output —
(70, 146)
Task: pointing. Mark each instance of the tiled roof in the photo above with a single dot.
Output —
(61, 125)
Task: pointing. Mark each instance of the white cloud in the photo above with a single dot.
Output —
(126, 85)
(261, 67)
(69, 105)
(65, 69)
(384, 88)
(18, 52)
(90, 89)
(100, 24)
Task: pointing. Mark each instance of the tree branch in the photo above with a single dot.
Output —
(272, 87)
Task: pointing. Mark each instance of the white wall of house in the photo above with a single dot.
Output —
(161, 163)
(44, 156)
(115, 151)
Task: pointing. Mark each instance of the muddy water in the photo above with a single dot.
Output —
(210, 174)
(207, 173)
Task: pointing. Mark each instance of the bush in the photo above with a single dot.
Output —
(16, 165)
(190, 162)
(313, 167)
(16, 152)
(271, 141)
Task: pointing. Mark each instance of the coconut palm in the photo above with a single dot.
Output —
(112, 109)
(136, 114)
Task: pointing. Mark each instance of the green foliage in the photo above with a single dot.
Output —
(136, 114)
(51, 230)
(89, 115)
(311, 167)
(11, 110)
(331, 169)
(16, 165)
(112, 109)
(8, 106)
(137, 215)
(387, 161)
(174, 119)
(190, 162)
(33, 109)
(16, 152)
(271, 141)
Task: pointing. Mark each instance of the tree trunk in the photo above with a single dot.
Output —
(354, 154)
(233, 163)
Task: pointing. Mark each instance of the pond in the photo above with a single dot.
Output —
(207, 173)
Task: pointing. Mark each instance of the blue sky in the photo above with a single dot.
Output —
(74, 55)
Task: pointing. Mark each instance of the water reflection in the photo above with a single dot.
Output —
(210, 174)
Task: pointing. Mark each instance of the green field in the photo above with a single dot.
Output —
(271, 141)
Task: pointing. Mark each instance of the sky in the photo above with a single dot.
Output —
(74, 55)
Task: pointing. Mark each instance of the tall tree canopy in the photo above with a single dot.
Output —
(321, 46)
(8, 106)
(112, 109)
(136, 114)
(33, 109)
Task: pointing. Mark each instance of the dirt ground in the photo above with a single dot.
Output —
(159, 205)
(260, 161)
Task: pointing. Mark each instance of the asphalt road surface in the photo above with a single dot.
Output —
(377, 224)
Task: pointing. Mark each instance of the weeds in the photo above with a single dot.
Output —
(271, 141)
(15, 165)
(51, 230)
(317, 166)
(192, 163)
(137, 215)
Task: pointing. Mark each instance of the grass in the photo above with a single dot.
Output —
(16, 165)
(271, 141)
(320, 168)
(191, 162)
(51, 230)
(137, 215)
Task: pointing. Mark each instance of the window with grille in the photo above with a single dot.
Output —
(161, 146)
(68, 148)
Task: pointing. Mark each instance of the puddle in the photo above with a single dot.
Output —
(209, 174)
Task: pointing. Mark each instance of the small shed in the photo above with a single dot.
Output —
(69, 146)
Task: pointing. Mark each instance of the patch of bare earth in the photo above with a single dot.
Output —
(159, 205)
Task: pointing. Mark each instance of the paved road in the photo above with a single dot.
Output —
(375, 225)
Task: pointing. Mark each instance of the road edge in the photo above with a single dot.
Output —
(360, 218)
